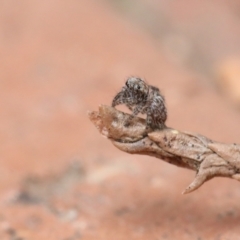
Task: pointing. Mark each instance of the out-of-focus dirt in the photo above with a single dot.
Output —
(59, 179)
(227, 76)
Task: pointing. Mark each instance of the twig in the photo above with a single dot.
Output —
(208, 158)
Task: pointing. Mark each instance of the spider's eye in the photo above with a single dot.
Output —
(137, 87)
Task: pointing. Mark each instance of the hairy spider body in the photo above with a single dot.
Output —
(140, 97)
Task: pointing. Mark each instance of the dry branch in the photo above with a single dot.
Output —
(208, 158)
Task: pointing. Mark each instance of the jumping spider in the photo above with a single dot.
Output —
(140, 97)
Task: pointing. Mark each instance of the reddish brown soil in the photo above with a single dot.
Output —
(59, 179)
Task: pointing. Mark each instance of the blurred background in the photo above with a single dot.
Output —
(59, 179)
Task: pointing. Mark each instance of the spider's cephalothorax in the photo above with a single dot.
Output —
(140, 97)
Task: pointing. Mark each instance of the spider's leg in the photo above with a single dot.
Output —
(156, 116)
(124, 97)
(149, 119)
(136, 111)
(118, 99)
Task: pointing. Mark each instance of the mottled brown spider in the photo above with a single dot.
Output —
(140, 97)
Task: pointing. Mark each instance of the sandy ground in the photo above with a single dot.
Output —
(59, 179)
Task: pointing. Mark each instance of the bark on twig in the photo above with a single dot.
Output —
(193, 151)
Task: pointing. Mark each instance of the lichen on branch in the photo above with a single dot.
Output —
(193, 151)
